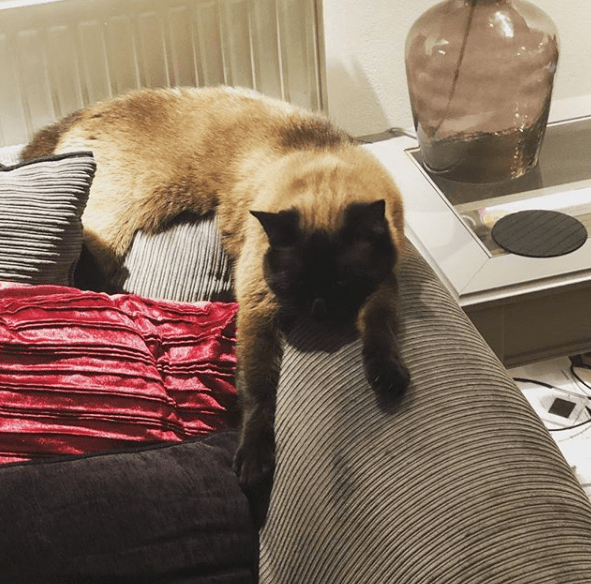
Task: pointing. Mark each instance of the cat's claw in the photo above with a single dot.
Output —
(388, 377)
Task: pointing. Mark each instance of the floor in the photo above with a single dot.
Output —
(563, 402)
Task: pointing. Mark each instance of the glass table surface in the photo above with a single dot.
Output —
(560, 182)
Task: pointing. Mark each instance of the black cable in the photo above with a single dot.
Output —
(536, 381)
(570, 427)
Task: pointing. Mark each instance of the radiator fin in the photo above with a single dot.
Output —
(57, 57)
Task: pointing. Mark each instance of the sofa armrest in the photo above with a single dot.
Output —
(462, 484)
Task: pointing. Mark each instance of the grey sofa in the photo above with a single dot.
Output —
(461, 485)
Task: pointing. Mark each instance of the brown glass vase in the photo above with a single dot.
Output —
(480, 76)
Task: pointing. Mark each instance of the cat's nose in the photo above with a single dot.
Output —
(318, 310)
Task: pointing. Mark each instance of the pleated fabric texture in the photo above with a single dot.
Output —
(83, 372)
(461, 485)
(41, 205)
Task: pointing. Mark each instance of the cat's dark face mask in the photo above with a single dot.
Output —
(323, 275)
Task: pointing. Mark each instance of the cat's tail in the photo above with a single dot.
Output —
(45, 141)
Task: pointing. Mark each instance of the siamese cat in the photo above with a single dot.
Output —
(312, 222)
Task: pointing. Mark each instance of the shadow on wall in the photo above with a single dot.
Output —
(352, 101)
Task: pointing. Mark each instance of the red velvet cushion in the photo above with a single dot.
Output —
(83, 371)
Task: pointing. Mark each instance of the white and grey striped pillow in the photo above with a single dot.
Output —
(184, 262)
(41, 206)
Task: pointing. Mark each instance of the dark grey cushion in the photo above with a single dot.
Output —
(169, 514)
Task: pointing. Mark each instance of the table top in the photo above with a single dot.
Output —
(450, 223)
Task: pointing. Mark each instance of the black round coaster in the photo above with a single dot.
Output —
(539, 234)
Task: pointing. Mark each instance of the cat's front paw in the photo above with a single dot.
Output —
(255, 468)
(388, 377)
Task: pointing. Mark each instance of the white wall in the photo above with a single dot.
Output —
(365, 58)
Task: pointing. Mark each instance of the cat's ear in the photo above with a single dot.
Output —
(281, 228)
(367, 219)
(374, 212)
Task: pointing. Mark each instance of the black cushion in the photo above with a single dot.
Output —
(170, 513)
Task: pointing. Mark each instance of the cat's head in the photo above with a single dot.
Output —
(327, 274)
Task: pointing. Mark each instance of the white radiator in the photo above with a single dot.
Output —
(59, 55)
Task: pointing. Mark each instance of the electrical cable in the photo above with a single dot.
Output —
(535, 381)
(584, 423)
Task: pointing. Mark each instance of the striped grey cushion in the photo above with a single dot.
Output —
(41, 204)
(184, 263)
